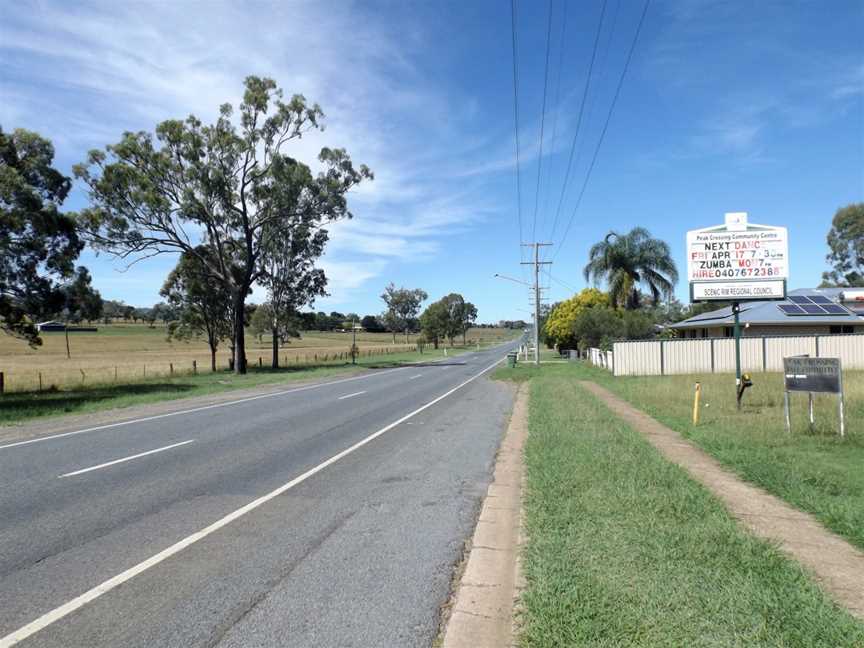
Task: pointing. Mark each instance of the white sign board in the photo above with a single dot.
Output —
(737, 261)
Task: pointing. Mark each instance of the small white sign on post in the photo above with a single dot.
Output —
(737, 261)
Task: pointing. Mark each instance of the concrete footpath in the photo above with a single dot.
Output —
(837, 565)
(482, 612)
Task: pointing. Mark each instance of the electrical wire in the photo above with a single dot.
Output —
(605, 126)
(542, 124)
(578, 121)
(557, 102)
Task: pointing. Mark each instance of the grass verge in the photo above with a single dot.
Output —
(624, 549)
(17, 407)
(814, 471)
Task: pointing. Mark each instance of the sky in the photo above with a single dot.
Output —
(725, 106)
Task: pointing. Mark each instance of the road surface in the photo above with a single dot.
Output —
(328, 515)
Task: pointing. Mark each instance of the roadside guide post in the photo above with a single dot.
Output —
(738, 262)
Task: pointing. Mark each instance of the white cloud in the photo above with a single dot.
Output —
(82, 74)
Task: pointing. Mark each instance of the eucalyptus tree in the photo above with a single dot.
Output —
(229, 187)
(199, 310)
(626, 261)
(403, 305)
(846, 245)
(38, 243)
(290, 275)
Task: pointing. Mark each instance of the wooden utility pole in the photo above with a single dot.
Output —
(536, 263)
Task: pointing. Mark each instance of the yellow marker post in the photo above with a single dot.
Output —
(696, 397)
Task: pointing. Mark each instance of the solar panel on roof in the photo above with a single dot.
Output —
(812, 309)
(820, 299)
(834, 309)
(791, 309)
(800, 299)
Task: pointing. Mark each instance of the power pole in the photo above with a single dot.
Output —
(536, 263)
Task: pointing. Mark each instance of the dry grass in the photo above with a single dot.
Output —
(128, 352)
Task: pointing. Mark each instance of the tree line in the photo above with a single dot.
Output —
(226, 196)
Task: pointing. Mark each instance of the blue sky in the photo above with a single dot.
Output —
(726, 106)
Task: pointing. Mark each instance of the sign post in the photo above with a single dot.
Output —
(822, 375)
(737, 262)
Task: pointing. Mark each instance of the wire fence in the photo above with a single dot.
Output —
(60, 377)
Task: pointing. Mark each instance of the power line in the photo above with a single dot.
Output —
(542, 122)
(516, 119)
(605, 126)
(559, 281)
(557, 100)
(579, 120)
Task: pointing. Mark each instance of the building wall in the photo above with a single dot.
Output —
(760, 330)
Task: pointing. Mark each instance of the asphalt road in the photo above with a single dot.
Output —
(324, 516)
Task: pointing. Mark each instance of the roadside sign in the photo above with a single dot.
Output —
(737, 261)
(738, 291)
(813, 375)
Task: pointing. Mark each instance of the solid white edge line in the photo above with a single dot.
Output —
(350, 395)
(125, 459)
(67, 608)
(207, 407)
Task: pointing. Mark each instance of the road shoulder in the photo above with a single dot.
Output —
(481, 615)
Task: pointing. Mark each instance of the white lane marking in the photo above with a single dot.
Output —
(124, 459)
(213, 406)
(417, 376)
(196, 409)
(103, 588)
(350, 395)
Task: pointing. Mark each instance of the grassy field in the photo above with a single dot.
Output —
(128, 353)
(17, 407)
(814, 471)
(625, 550)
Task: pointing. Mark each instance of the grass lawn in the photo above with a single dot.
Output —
(815, 471)
(17, 407)
(624, 549)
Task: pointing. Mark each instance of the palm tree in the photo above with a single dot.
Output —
(626, 261)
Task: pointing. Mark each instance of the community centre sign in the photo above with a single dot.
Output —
(737, 261)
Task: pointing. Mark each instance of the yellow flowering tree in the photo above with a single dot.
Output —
(560, 323)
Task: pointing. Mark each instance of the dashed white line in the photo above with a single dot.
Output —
(103, 588)
(417, 376)
(350, 395)
(124, 459)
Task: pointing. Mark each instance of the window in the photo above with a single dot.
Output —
(729, 331)
(704, 332)
(845, 329)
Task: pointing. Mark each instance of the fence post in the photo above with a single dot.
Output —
(170, 368)
(662, 358)
(712, 356)
(40, 381)
(817, 346)
(194, 367)
(764, 353)
(2, 382)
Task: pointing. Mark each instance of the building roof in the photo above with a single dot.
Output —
(771, 313)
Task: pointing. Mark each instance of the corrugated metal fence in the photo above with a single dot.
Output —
(717, 355)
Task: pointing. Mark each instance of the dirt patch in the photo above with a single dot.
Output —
(836, 564)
